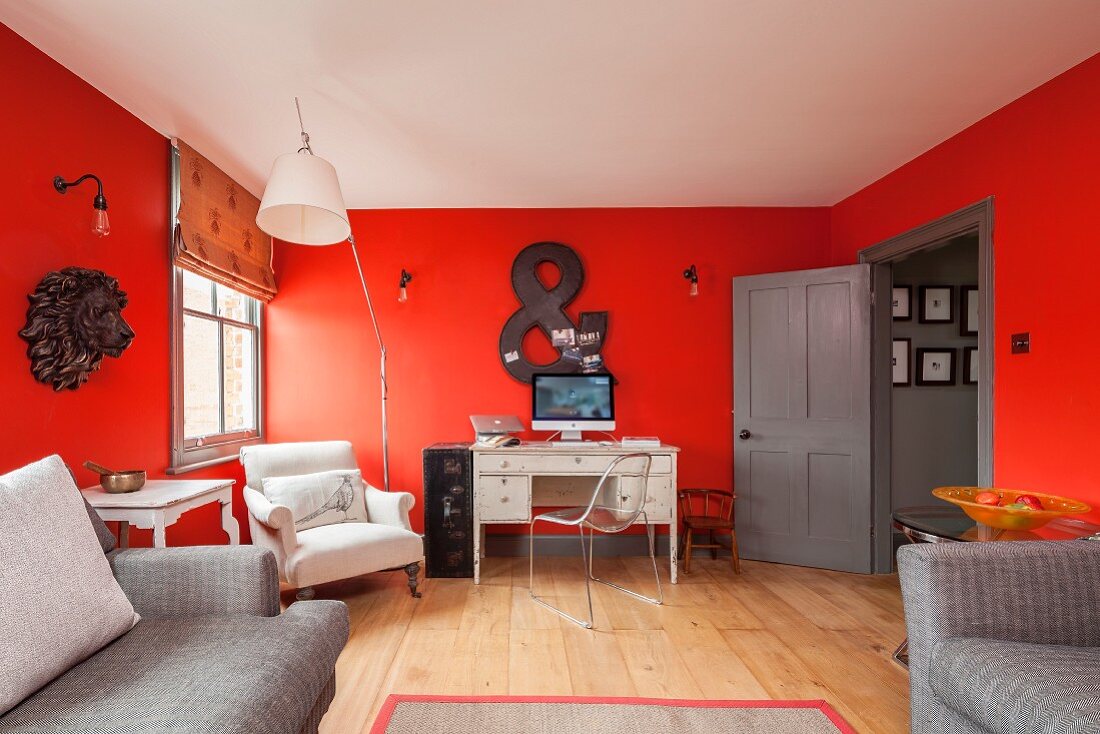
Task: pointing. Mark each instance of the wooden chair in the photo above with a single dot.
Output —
(716, 517)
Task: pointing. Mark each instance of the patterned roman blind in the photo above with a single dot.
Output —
(216, 234)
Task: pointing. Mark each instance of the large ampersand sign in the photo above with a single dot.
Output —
(578, 348)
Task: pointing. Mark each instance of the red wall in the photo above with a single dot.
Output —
(1039, 157)
(671, 353)
(56, 124)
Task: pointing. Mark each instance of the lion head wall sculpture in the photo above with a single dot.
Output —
(75, 318)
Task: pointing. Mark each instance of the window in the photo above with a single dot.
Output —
(221, 278)
(217, 371)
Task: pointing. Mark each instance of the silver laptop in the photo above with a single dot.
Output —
(487, 425)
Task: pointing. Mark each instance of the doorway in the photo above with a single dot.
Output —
(932, 417)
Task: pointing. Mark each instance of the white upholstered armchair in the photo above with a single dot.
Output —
(329, 552)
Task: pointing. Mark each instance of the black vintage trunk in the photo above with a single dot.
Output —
(448, 511)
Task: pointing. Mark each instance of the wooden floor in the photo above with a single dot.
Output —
(772, 632)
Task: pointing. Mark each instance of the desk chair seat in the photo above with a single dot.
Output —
(602, 518)
(629, 474)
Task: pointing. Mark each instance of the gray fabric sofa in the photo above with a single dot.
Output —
(1003, 637)
(211, 653)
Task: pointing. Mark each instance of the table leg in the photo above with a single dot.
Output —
(901, 654)
(123, 534)
(229, 524)
(159, 539)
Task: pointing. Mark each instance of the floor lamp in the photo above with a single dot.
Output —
(303, 205)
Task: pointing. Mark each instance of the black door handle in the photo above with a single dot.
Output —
(745, 434)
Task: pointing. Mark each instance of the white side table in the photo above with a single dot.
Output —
(161, 502)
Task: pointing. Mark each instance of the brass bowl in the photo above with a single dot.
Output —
(123, 481)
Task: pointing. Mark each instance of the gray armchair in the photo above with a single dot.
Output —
(210, 654)
(1003, 637)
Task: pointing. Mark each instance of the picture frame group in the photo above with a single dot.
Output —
(931, 366)
(936, 305)
(934, 366)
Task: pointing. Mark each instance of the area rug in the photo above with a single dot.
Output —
(555, 715)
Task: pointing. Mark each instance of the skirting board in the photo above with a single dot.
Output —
(569, 545)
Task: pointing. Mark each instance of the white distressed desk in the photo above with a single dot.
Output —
(161, 502)
(508, 482)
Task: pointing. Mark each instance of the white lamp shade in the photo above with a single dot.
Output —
(303, 203)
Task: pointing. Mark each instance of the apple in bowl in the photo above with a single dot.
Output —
(988, 498)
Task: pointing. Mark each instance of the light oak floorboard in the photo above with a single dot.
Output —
(771, 632)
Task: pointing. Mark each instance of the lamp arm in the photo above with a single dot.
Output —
(366, 293)
(61, 184)
(382, 366)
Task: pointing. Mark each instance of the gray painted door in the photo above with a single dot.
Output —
(802, 417)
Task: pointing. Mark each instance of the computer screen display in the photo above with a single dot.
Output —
(573, 398)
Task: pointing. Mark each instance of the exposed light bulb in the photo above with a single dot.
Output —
(694, 289)
(101, 226)
(402, 294)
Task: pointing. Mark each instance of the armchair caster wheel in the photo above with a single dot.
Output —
(413, 570)
(305, 594)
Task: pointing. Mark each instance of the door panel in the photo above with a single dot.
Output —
(828, 350)
(770, 511)
(830, 503)
(802, 417)
(768, 314)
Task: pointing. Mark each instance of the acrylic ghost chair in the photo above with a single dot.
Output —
(617, 503)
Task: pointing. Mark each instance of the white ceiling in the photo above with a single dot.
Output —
(545, 103)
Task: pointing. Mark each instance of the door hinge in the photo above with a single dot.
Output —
(872, 531)
(872, 297)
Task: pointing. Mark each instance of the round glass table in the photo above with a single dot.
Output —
(949, 524)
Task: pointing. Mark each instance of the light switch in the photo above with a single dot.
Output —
(1021, 343)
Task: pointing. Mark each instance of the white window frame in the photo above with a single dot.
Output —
(189, 454)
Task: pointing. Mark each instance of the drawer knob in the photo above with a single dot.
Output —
(503, 464)
(504, 499)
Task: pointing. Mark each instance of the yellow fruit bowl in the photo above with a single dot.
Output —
(1009, 518)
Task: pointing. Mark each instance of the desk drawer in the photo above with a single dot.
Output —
(658, 499)
(520, 463)
(503, 498)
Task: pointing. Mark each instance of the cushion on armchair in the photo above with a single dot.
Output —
(60, 601)
(1017, 687)
(324, 498)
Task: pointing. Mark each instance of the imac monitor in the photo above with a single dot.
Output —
(572, 403)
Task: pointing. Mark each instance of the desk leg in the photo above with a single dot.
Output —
(477, 552)
(229, 524)
(673, 553)
(123, 534)
(159, 540)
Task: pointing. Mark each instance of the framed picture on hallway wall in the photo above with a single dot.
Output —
(901, 302)
(968, 310)
(970, 365)
(937, 304)
(900, 364)
(936, 366)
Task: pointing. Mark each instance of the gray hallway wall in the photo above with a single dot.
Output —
(934, 440)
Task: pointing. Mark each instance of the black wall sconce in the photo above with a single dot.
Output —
(693, 275)
(101, 226)
(402, 294)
